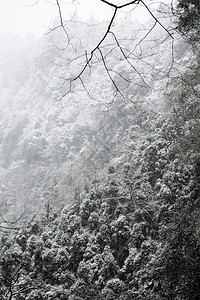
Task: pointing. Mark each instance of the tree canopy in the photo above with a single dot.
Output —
(100, 192)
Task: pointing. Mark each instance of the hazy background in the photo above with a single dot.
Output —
(20, 16)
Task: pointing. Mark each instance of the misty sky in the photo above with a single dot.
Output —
(21, 16)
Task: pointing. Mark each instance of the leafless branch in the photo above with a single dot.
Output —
(128, 61)
(166, 29)
(61, 20)
(9, 228)
(31, 5)
(12, 222)
(144, 37)
(98, 48)
(122, 5)
(109, 75)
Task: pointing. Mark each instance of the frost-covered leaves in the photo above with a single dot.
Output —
(188, 13)
(121, 238)
(82, 252)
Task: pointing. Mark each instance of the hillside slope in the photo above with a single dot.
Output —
(116, 181)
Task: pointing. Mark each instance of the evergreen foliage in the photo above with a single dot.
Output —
(189, 18)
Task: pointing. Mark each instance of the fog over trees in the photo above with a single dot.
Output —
(99, 156)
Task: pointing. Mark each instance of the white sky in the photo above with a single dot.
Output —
(21, 16)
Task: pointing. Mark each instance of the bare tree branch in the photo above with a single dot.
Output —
(128, 61)
(61, 20)
(12, 222)
(31, 5)
(109, 75)
(122, 5)
(110, 48)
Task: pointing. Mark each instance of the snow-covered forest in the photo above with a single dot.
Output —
(100, 160)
